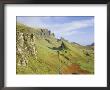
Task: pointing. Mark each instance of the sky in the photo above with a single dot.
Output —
(79, 29)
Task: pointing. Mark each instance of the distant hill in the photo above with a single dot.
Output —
(92, 44)
(39, 52)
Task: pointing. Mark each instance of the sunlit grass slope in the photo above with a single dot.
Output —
(72, 59)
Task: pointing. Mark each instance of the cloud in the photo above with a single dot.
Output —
(71, 27)
(52, 23)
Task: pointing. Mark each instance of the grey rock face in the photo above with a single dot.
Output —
(19, 42)
(25, 42)
(20, 39)
(45, 33)
(32, 44)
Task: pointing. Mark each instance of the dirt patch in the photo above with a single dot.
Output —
(74, 69)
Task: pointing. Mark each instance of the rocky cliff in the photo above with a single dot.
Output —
(26, 42)
(25, 45)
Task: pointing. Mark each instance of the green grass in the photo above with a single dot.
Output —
(48, 61)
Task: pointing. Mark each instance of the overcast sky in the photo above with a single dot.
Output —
(79, 29)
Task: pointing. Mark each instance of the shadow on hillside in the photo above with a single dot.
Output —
(61, 47)
(56, 48)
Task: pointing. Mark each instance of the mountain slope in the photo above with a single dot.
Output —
(39, 52)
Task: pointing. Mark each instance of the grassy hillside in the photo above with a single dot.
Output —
(50, 55)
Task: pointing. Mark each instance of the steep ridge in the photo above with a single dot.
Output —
(39, 52)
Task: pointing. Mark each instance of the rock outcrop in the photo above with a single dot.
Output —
(25, 46)
(44, 33)
(26, 42)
